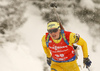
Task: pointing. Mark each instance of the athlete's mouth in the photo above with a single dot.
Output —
(53, 36)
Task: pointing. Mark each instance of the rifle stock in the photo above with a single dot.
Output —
(62, 28)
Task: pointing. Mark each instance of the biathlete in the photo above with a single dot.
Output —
(59, 49)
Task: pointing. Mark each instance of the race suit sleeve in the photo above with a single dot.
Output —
(46, 49)
(74, 38)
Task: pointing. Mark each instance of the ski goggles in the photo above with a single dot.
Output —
(53, 30)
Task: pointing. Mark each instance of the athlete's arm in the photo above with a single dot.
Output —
(74, 38)
(46, 49)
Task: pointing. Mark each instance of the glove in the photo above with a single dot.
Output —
(87, 62)
(49, 61)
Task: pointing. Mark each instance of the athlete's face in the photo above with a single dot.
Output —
(54, 33)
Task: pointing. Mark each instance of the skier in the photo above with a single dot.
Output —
(59, 49)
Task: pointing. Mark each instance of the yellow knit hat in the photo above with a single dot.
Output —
(53, 25)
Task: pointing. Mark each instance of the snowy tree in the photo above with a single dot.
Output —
(11, 18)
(85, 10)
(88, 11)
(11, 14)
(48, 13)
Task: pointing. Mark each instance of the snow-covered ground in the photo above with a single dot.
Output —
(25, 56)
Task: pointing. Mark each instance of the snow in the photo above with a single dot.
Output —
(32, 32)
(19, 57)
(14, 58)
(88, 4)
(3, 3)
(25, 57)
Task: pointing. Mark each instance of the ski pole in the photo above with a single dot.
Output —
(54, 8)
(88, 69)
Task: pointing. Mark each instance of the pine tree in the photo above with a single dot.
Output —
(11, 14)
(48, 13)
(86, 11)
(90, 16)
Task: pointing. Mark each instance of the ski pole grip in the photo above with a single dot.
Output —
(53, 5)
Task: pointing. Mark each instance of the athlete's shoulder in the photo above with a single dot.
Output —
(67, 32)
(74, 37)
(44, 41)
(43, 38)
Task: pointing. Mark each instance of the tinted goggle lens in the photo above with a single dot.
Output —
(53, 30)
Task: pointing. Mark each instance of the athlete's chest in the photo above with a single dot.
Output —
(58, 47)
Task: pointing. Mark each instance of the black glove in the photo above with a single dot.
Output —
(49, 61)
(87, 62)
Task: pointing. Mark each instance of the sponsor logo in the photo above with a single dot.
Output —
(59, 55)
(50, 41)
(58, 47)
(73, 52)
(59, 51)
(62, 59)
(51, 25)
